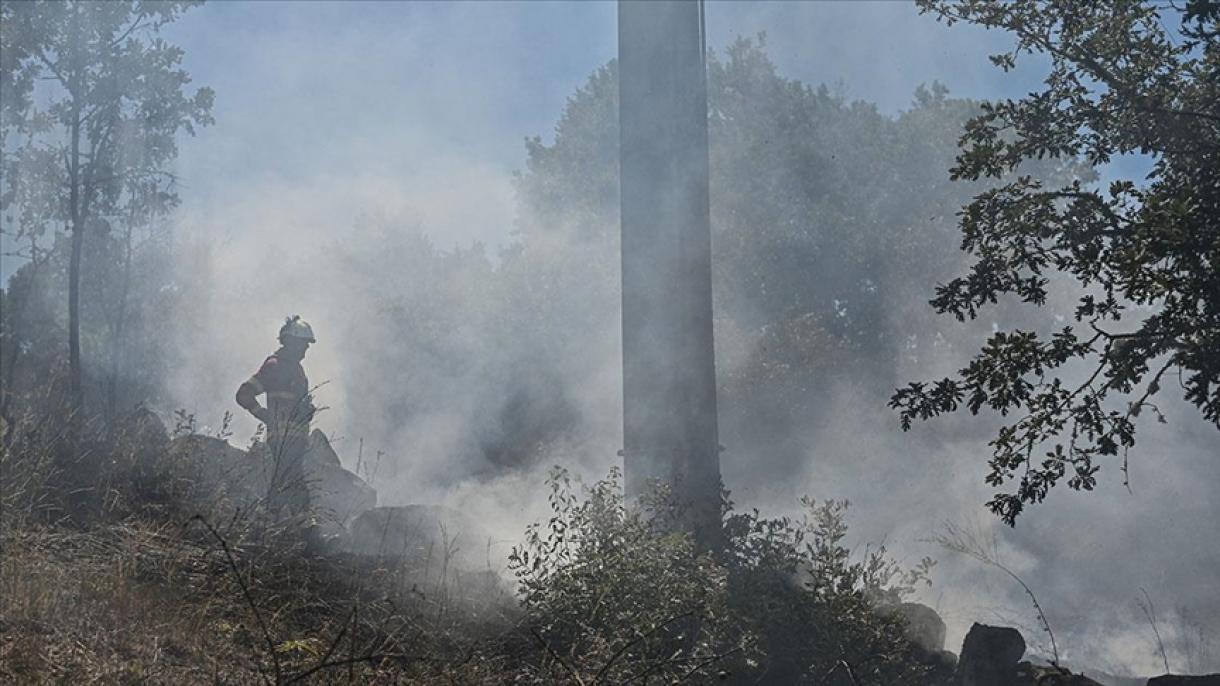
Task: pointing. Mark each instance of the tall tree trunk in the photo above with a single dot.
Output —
(78, 240)
(76, 212)
(75, 384)
(669, 377)
(116, 336)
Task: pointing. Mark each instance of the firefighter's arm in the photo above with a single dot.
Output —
(247, 398)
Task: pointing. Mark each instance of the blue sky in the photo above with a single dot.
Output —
(328, 113)
(417, 111)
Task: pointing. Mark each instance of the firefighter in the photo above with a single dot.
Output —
(287, 416)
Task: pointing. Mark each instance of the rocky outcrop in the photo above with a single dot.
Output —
(141, 431)
(321, 452)
(229, 478)
(924, 627)
(342, 495)
(926, 632)
(989, 656)
(223, 477)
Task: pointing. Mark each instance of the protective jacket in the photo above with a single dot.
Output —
(289, 411)
(288, 403)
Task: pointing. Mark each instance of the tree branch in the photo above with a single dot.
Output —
(245, 590)
(138, 24)
(571, 670)
(627, 646)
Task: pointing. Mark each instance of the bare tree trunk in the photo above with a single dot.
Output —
(116, 336)
(670, 431)
(75, 387)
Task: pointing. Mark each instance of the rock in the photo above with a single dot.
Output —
(222, 472)
(228, 477)
(926, 631)
(138, 443)
(320, 451)
(1029, 674)
(941, 664)
(1183, 680)
(944, 662)
(989, 656)
(925, 628)
(142, 429)
(338, 494)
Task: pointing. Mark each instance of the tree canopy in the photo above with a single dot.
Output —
(93, 102)
(1140, 256)
(827, 227)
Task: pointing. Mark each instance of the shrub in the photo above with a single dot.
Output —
(616, 594)
(813, 609)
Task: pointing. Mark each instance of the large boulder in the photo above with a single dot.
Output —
(229, 478)
(141, 431)
(1182, 680)
(926, 632)
(320, 451)
(223, 475)
(989, 656)
(340, 495)
(138, 443)
(924, 627)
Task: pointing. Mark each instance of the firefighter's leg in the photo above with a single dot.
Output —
(297, 496)
(286, 489)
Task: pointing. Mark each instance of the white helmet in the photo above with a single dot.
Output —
(295, 327)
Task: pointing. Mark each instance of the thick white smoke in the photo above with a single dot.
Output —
(352, 140)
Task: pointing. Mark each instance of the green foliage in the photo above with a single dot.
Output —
(828, 228)
(821, 205)
(93, 102)
(813, 606)
(126, 309)
(1142, 258)
(615, 594)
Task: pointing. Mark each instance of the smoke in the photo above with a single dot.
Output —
(361, 174)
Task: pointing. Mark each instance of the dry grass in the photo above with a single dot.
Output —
(111, 606)
(144, 602)
(108, 577)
